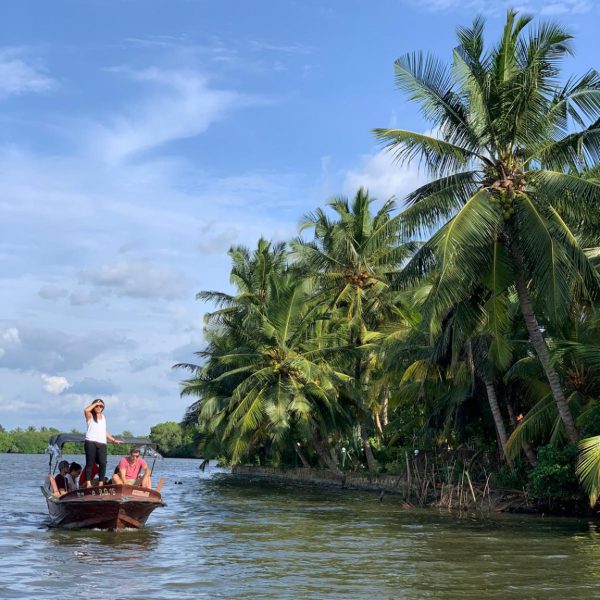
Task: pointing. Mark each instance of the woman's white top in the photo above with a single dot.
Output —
(96, 430)
(71, 483)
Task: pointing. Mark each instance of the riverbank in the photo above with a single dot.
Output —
(463, 496)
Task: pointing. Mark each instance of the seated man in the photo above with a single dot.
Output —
(58, 483)
(129, 469)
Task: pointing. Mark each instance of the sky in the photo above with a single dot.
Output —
(140, 139)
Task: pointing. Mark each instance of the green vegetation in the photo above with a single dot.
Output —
(173, 440)
(34, 441)
(25, 441)
(465, 322)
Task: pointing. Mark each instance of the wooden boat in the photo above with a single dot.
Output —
(102, 507)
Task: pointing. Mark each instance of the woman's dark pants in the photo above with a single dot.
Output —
(95, 453)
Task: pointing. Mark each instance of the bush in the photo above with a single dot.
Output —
(174, 440)
(553, 484)
(511, 478)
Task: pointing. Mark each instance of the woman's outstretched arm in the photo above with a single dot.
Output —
(113, 439)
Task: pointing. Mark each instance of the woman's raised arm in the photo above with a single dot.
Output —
(87, 411)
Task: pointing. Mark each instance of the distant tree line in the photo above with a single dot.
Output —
(173, 440)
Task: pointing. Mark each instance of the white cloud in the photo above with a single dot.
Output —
(70, 403)
(214, 240)
(18, 75)
(161, 210)
(28, 348)
(10, 336)
(10, 405)
(91, 385)
(382, 177)
(9, 341)
(136, 279)
(567, 6)
(285, 49)
(82, 297)
(55, 384)
(52, 292)
(178, 105)
(528, 6)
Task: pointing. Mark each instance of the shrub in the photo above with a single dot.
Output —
(553, 484)
(512, 478)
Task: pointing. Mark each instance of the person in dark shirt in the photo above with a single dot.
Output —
(58, 482)
(63, 469)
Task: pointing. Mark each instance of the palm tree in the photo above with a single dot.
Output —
(575, 356)
(255, 275)
(507, 156)
(355, 257)
(273, 377)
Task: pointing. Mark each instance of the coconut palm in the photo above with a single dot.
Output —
(355, 257)
(575, 356)
(274, 379)
(254, 274)
(507, 153)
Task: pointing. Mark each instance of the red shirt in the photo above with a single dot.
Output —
(82, 478)
(132, 471)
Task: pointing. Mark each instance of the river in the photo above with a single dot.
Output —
(220, 537)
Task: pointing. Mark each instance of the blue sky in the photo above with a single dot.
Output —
(140, 139)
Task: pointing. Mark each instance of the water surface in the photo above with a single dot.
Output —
(219, 537)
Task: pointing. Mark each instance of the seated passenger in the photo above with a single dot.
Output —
(72, 476)
(129, 470)
(57, 483)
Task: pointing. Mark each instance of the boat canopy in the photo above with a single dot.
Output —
(58, 440)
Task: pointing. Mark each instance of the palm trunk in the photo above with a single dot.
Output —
(377, 420)
(471, 364)
(386, 401)
(500, 429)
(302, 458)
(323, 453)
(358, 382)
(529, 453)
(371, 462)
(541, 349)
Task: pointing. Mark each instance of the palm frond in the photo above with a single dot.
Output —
(588, 467)
(438, 156)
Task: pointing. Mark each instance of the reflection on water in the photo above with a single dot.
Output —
(121, 546)
(220, 537)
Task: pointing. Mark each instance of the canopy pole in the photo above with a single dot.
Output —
(154, 461)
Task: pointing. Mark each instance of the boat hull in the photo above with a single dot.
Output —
(108, 507)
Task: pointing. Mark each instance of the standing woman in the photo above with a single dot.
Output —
(95, 441)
